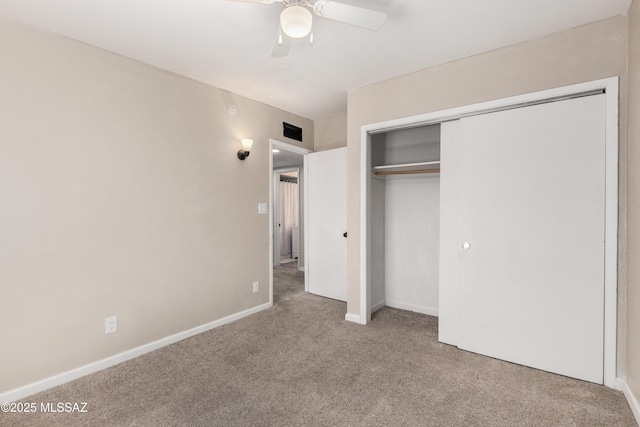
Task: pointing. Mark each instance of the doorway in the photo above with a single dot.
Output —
(287, 210)
(286, 206)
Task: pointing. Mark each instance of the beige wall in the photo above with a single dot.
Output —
(330, 133)
(590, 52)
(633, 213)
(121, 194)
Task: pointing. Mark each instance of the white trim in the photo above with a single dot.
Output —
(271, 219)
(65, 377)
(611, 234)
(352, 318)
(288, 147)
(377, 306)
(429, 311)
(633, 401)
(610, 86)
(305, 171)
(490, 106)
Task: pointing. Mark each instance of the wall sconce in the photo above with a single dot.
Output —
(246, 148)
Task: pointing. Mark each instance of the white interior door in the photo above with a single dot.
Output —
(531, 215)
(327, 222)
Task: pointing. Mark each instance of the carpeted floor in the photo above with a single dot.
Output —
(300, 363)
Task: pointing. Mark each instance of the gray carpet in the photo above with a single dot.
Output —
(300, 363)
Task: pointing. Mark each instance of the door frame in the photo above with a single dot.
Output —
(610, 87)
(274, 143)
(276, 208)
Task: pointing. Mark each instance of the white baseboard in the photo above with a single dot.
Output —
(65, 377)
(402, 306)
(377, 306)
(633, 400)
(352, 318)
(430, 311)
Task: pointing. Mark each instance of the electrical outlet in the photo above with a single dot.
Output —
(110, 324)
(256, 287)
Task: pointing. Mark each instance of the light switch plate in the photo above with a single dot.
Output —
(262, 208)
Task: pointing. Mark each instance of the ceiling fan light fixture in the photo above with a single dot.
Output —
(296, 21)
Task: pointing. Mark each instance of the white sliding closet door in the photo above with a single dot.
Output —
(327, 222)
(531, 208)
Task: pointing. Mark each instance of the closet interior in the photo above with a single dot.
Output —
(405, 219)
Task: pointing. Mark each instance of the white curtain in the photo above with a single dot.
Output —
(288, 194)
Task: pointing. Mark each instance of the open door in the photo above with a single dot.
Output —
(326, 211)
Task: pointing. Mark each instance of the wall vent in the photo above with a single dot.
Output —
(291, 131)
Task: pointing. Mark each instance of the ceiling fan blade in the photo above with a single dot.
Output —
(348, 14)
(281, 46)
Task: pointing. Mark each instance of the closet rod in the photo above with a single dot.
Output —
(407, 172)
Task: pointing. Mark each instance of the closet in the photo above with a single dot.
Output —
(500, 219)
(405, 195)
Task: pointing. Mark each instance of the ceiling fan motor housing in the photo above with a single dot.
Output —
(296, 21)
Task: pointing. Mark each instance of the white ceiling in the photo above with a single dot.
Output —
(283, 159)
(228, 44)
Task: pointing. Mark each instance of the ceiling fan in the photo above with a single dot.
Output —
(296, 20)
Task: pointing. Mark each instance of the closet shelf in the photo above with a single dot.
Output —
(408, 168)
